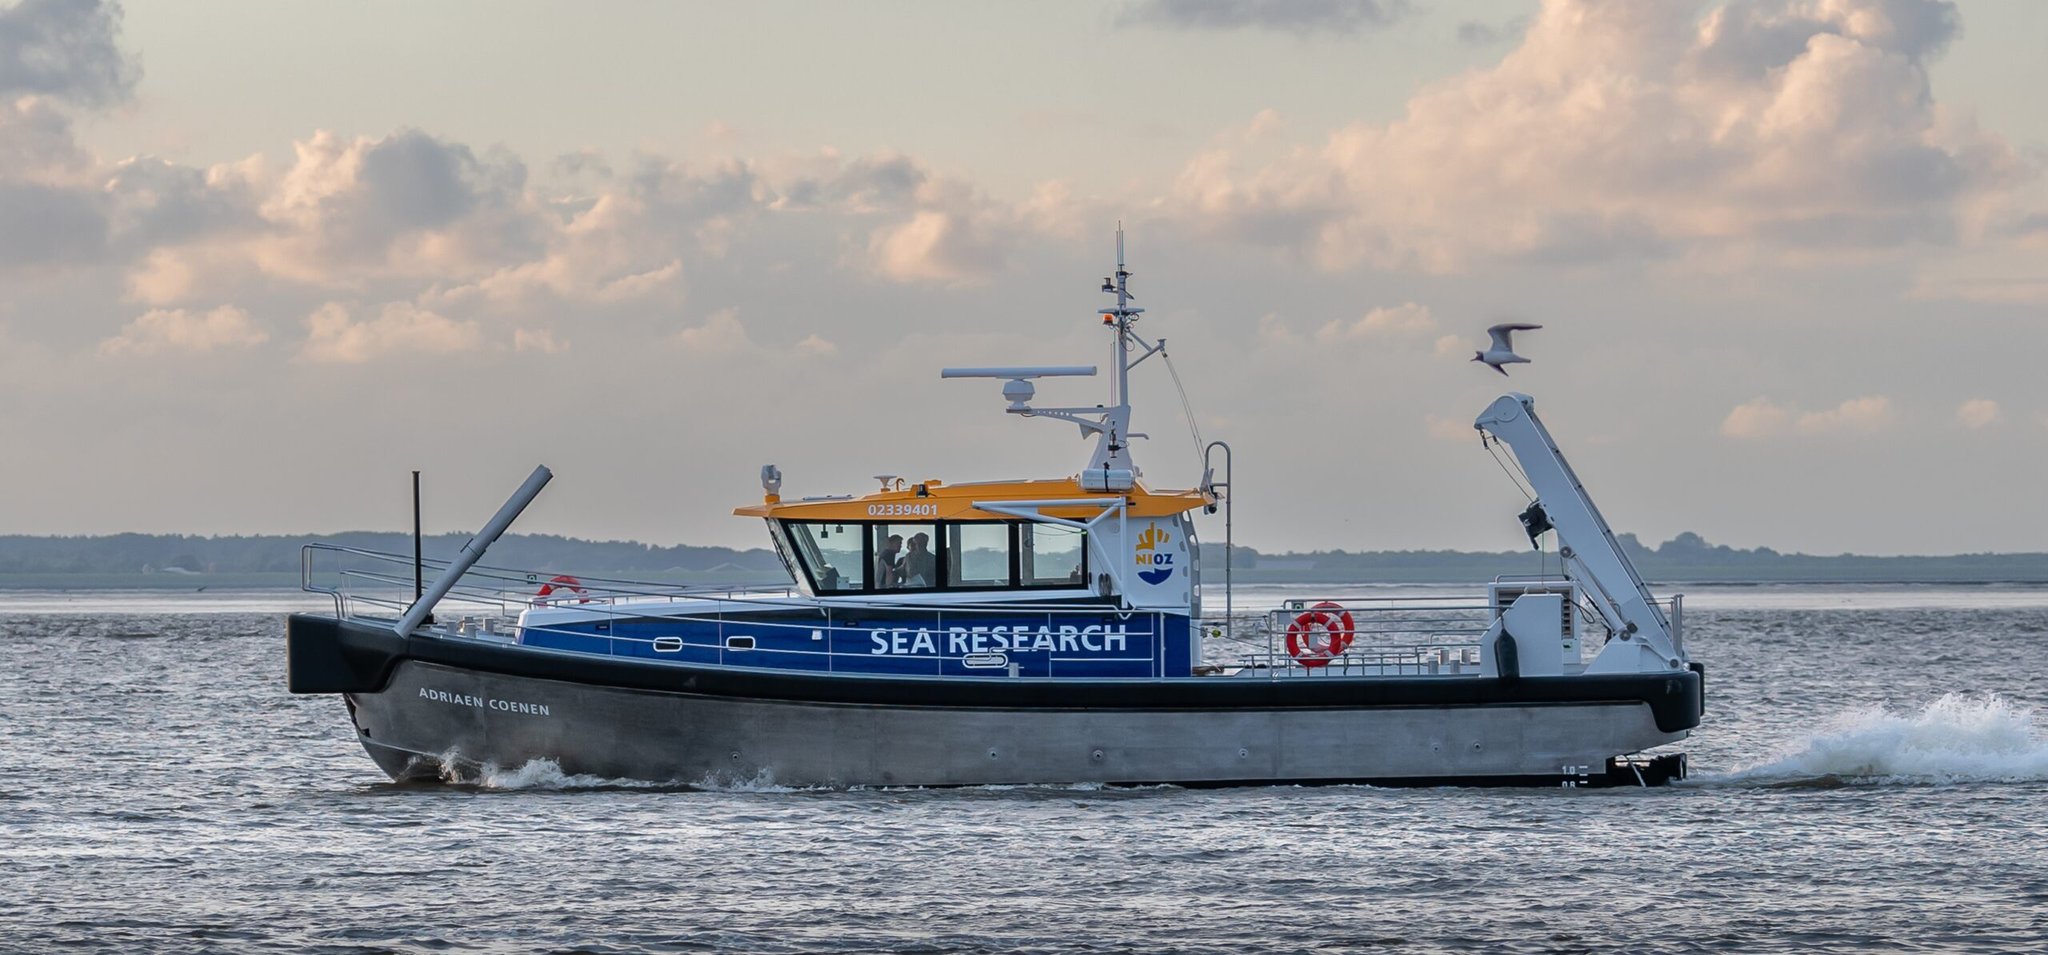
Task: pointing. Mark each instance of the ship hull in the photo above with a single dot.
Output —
(472, 707)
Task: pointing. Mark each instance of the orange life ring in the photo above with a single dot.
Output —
(1317, 636)
(566, 582)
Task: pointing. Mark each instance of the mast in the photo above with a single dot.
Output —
(1112, 451)
(1110, 424)
(1124, 316)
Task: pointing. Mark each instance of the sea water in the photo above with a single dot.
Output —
(1872, 775)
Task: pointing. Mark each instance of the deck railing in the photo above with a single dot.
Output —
(491, 603)
(1430, 635)
(368, 583)
(1389, 636)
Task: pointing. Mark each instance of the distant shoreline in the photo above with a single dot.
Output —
(204, 583)
(173, 562)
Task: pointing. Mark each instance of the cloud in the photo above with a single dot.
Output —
(158, 331)
(64, 49)
(435, 221)
(154, 203)
(814, 345)
(430, 220)
(723, 335)
(60, 206)
(887, 182)
(1273, 331)
(409, 203)
(1302, 17)
(953, 235)
(36, 141)
(1763, 418)
(400, 329)
(933, 245)
(47, 225)
(1977, 414)
(1622, 130)
(616, 250)
(1477, 33)
(1407, 320)
(537, 340)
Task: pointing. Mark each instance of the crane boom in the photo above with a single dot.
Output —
(1645, 639)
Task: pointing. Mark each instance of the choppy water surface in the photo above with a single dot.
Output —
(1870, 777)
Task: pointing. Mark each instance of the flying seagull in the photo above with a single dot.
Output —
(1503, 350)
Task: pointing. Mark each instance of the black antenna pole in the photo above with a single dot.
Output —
(419, 587)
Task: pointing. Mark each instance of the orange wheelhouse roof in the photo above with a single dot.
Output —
(932, 500)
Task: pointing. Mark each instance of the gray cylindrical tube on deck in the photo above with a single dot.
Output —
(474, 550)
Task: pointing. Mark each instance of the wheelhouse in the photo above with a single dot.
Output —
(1000, 540)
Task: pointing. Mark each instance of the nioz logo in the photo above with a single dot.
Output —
(1155, 562)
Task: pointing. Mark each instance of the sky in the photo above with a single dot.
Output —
(258, 261)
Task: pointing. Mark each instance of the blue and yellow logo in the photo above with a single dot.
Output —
(1155, 563)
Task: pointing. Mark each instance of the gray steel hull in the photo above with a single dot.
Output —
(432, 717)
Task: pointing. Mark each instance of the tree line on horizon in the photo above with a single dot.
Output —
(272, 553)
(277, 553)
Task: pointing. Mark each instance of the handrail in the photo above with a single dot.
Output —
(513, 584)
(1392, 634)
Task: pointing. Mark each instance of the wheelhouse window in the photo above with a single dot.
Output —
(906, 556)
(833, 554)
(1052, 555)
(872, 557)
(978, 555)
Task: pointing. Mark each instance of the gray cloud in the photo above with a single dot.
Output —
(1761, 35)
(411, 180)
(47, 225)
(1303, 17)
(156, 203)
(36, 138)
(1477, 33)
(64, 49)
(685, 197)
(2035, 224)
(581, 162)
(359, 199)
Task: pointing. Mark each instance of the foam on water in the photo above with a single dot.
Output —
(1956, 738)
(538, 774)
(543, 775)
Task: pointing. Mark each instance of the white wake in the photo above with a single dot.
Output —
(539, 774)
(1956, 738)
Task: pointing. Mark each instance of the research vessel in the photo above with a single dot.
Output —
(1040, 631)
